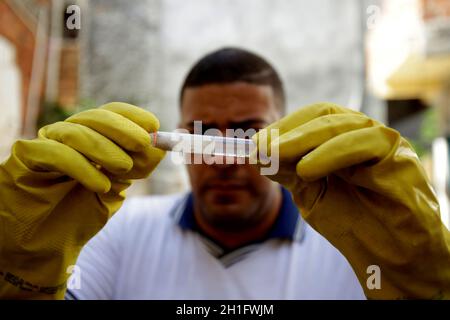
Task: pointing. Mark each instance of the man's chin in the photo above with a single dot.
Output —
(231, 210)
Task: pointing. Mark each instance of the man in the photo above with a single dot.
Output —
(237, 235)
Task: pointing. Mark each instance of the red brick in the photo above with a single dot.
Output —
(13, 29)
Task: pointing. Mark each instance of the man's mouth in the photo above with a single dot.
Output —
(226, 186)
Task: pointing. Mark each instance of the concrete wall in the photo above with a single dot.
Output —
(315, 45)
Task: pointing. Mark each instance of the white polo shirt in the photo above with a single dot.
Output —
(151, 249)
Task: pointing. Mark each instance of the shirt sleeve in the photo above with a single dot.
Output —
(94, 275)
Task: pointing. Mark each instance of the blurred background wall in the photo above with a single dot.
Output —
(389, 59)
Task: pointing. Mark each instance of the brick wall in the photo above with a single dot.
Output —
(432, 9)
(68, 75)
(19, 34)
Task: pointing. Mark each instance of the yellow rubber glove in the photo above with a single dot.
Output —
(360, 185)
(59, 190)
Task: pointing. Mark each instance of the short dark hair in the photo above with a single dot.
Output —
(229, 65)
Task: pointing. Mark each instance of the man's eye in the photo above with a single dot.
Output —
(209, 130)
(213, 132)
(253, 128)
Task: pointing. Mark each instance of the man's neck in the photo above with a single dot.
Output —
(233, 240)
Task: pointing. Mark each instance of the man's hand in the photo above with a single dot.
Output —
(59, 190)
(360, 184)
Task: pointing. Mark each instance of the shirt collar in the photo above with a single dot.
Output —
(289, 224)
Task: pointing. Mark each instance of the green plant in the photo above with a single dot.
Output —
(428, 132)
(52, 112)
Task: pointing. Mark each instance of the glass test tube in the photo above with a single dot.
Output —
(202, 144)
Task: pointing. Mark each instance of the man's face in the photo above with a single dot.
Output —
(230, 196)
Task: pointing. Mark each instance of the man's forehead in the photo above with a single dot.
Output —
(229, 102)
